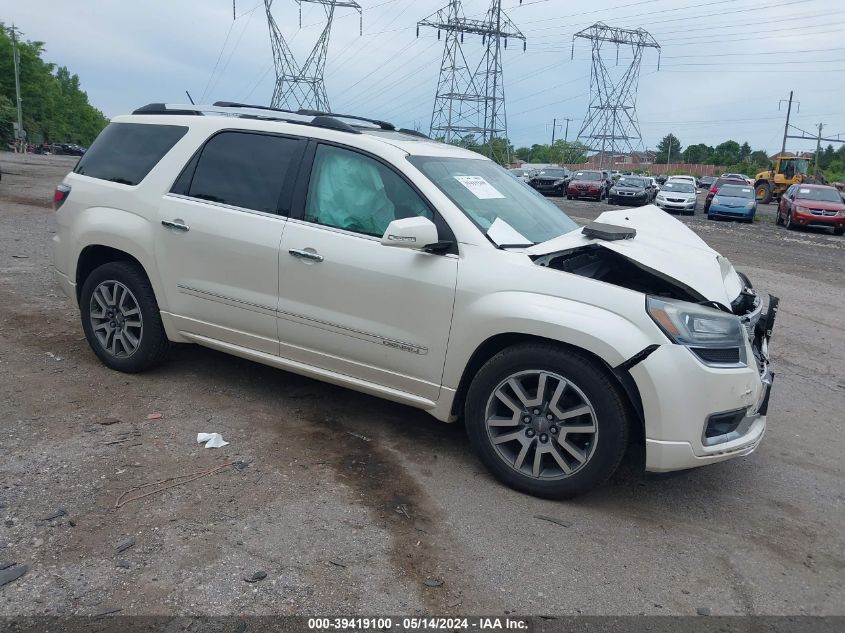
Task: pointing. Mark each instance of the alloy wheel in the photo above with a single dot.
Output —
(116, 319)
(541, 425)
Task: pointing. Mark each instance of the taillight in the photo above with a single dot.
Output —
(60, 195)
(714, 190)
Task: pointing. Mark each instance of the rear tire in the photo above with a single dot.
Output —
(541, 457)
(778, 219)
(121, 318)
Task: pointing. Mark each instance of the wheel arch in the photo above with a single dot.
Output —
(620, 376)
(95, 255)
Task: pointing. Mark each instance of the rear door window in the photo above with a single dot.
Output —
(127, 152)
(244, 169)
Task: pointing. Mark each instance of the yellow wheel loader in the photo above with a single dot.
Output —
(786, 171)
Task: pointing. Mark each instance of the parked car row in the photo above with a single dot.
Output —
(65, 149)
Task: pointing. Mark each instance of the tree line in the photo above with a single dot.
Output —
(742, 159)
(55, 108)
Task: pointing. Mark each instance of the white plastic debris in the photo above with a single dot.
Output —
(212, 440)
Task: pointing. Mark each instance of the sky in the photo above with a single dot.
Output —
(725, 65)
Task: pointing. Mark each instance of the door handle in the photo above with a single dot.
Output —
(306, 255)
(176, 224)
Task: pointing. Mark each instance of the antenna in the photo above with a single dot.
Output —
(299, 87)
(470, 101)
(611, 124)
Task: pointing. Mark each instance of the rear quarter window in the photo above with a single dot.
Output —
(127, 152)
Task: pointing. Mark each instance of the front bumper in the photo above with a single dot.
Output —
(621, 198)
(730, 212)
(811, 219)
(583, 193)
(679, 395)
(676, 206)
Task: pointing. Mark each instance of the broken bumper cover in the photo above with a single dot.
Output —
(681, 396)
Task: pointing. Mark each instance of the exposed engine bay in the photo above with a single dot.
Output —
(601, 264)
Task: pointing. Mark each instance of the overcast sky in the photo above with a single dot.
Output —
(725, 63)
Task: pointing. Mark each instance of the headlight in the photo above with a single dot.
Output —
(801, 209)
(715, 200)
(660, 197)
(558, 182)
(750, 204)
(715, 337)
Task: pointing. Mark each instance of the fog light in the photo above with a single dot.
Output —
(723, 423)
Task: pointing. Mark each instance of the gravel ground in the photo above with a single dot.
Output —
(352, 505)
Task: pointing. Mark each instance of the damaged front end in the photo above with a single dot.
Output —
(689, 288)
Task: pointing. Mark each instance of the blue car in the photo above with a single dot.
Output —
(736, 202)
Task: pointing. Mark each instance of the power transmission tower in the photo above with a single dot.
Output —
(611, 124)
(303, 86)
(470, 101)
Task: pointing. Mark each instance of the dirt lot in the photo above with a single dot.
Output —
(350, 504)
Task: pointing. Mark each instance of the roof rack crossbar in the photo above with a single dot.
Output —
(318, 119)
(384, 125)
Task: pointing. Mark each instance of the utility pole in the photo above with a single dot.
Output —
(818, 150)
(669, 152)
(16, 60)
(786, 126)
(554, 128)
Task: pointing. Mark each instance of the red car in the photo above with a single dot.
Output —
(587, 184)
(812, 205)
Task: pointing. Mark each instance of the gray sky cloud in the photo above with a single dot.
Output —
(725, 63)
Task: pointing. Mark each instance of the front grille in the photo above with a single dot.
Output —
(675, 200)
(823, 212)
(719, 355)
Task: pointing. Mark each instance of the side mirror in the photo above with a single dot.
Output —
(415, 233)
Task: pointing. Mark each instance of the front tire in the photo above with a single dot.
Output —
(839, 230)
(121, 318)
(790, 225)
(577, 421)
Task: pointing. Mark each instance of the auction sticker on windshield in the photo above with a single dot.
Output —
(479, 187)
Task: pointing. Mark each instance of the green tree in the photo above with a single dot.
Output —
(745, 151)
(8, 115)
(726, 153)
(669, 149)
(55, 108)
(697, 154)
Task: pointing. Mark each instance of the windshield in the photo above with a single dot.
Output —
(818, 193)
(587, 175)
(736, 191)
(678, 187)
(487, 194)
(552, 173)
(626, 181)
(518, 172)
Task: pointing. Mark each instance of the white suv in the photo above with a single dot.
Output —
(377, 259)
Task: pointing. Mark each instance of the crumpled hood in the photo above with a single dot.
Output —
(664, 246)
